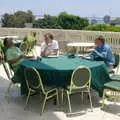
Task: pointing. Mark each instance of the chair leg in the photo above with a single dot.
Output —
(6, 70)
(90, 100)
(28, 96)
(43, 105)
(8, 90)
(103, 102)
(82, 96)
(117, 71)
(62, 97)
(68, 97)
(115, 99)
(57, 97)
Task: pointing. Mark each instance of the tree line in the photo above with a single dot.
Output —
(62, 21)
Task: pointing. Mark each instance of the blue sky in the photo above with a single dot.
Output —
(83, 8)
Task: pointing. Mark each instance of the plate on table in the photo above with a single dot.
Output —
(80, 55)
(86, 57)
(52, 56)
(32, 59)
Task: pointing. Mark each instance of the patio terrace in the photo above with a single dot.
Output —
(14, 110)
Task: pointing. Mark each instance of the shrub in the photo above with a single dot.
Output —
(103, 27)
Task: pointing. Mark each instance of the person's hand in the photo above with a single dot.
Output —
(82, 56)
(95, 51)
(38, 57)
(49, 44)
(21, 56)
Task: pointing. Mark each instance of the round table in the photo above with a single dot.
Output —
(57, 71)
(81, 45)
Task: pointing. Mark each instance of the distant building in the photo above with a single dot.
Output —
(0, 21)
(39, 17)
(115, 21)
(29, 25)
(99, 20)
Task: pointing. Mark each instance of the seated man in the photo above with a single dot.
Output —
(13, 54)
(103, 52)
(50, 46)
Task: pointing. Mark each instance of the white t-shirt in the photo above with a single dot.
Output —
(53, 46)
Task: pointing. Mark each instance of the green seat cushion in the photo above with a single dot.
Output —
(115, 77)
(114, 85)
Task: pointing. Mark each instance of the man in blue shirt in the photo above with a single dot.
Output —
(103, 52)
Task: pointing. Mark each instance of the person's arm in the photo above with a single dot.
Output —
(12, 61)
(56, 49)
(43, 51)
(22, 55)
(55, 52)
(102, 54)
(28, 57)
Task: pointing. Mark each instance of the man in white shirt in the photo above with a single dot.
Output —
(49, 46)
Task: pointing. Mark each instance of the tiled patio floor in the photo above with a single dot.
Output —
(14, 110)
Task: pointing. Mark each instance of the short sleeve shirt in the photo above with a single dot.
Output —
(54, 46)
(13, 53)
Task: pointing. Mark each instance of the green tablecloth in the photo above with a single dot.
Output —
(57, 71)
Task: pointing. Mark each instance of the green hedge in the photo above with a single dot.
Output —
(103, 27)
